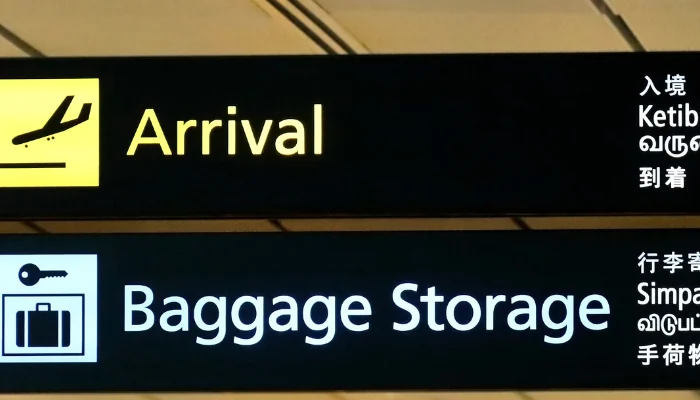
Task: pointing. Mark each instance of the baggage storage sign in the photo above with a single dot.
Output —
(510, 310)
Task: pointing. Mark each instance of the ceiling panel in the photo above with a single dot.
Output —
(75, 397)
(157, 226)
(437, 26)
(242, 396)
(682, 6)
(379, 224)
(7, 49)
(153, 27)
(616, 395)
(434, 396)
(613, 222)
(14, 227)
(665, 30)
(463, 6)
(583, 395)
(662, 25)
(400, 224)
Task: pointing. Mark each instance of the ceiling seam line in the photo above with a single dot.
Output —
(337, 396)
(521, 224)
(20, 43)
(525, 396)
(310, 34)
(620, 25)
(278, 224)
(323, 26)
(35, 227)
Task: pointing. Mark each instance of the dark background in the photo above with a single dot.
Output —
(408, 135)
(538, 263)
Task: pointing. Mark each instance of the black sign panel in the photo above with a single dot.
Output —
(350, 311)
(408, 135)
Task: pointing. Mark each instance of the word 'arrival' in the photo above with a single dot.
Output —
(288, 143)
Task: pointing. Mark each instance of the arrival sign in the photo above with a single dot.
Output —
(394, 135)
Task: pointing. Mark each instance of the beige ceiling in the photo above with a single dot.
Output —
(631, 395)
(179, 27)
(213, 27)
(663, 24)
(400, 26)
(8, 50)
(153, 27)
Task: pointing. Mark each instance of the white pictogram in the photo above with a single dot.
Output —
(49, 308)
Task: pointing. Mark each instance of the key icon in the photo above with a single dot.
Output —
(30, 274)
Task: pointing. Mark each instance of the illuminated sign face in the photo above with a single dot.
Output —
(291, 137)
(350, 311)
(49, 133)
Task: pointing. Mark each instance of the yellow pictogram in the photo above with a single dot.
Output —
(49, 133)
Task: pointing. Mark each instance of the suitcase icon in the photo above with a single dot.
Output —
(43, 327)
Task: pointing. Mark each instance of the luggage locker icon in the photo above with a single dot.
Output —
(43, 327)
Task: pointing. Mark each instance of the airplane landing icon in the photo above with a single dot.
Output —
(34, 112)
(54, 124)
